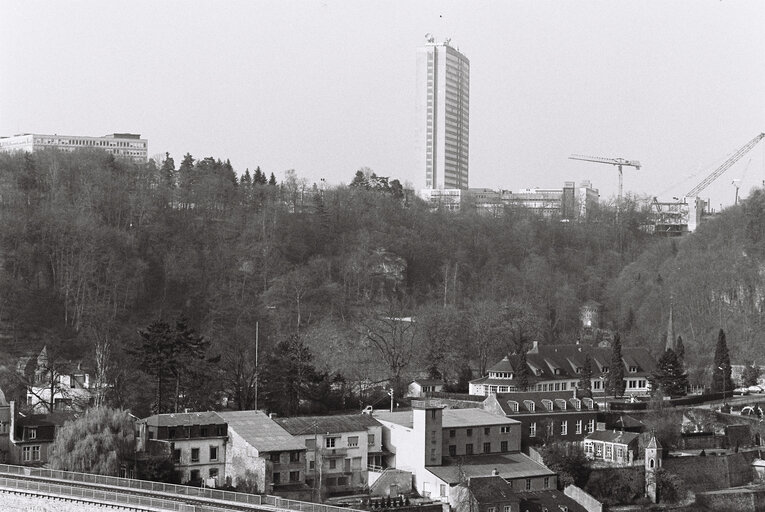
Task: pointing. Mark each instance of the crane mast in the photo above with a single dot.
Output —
(618, 162)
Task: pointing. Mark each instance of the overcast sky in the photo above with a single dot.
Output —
(327, 87)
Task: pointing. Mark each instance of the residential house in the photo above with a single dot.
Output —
(419, 388)
(261, 452)
(55, 385)
(339, 450)
(195, 440)
(32, 435)
(546, 416)
(612, 446)
(443, 447)
(495, 494)
(559, 368)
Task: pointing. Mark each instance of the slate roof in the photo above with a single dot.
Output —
(505, 399)
(453, 470)
(428, 382)
(551, 500)
(503, 366)
(183, 419)
(260, 431)
(452, 418)
(327, 424)
(492, 489)
(57, 418)
(609, 436)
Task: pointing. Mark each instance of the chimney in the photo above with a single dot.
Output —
(271, 415)
(494, 472)
(534, 347)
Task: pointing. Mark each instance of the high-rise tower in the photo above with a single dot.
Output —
(443, 108)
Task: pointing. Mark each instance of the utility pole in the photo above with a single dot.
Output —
(257, 376)
(390, 394)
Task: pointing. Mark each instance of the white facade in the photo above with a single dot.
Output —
(123, 145)
(443, 108)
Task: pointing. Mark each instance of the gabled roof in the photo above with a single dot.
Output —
(454, 470)
(183, 419)
(327, 424)
(260, 431)
(504, 400)
(654, 443)
(551, 500)
(610, 436)
(502, 366)
(428, 382)
(492, 489)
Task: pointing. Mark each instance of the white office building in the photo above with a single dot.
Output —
(443, 107)
(124, 145)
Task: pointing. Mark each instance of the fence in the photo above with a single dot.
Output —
(180, 490)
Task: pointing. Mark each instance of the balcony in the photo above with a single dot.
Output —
(334, 452)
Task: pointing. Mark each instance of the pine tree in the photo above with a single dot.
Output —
(257, 176)
(168, 170)
(751, 375)
(522, 371)
(246, 180)
(615, 381)
(669, 377)
(680, 350)
(585, 380)
(721, 370)
(272, 180)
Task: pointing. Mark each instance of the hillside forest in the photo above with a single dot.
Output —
(193, 285)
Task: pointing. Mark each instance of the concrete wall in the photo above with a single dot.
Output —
(740, 500)
(243, 462)
(13, 502)
(584, 499)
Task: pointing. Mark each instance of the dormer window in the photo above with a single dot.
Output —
(577, 403)
(513, 405)
(633, 369)
(31, 433)
(588, 402)
(605, 369)
(530, 405)
(578, 369)
(561, 403)
(548, 404)
(557, 371)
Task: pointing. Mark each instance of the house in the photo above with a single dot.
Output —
(418, 388)
(263, 454)
(612, 446)
(442, 447)
(31, 436)
(55, 385)
(546, 416)
(559, 368)
(196, 442)
(339, 450)
(5, 428)
(494, 494)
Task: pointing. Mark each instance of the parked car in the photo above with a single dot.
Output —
(755, 389)
(741, 391)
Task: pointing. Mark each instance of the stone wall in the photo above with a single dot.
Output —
(713, 472)
(585, 500)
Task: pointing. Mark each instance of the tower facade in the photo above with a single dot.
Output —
(653, 454)
(443, 111)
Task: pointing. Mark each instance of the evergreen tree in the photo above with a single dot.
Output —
(680, 350)
(615, 380)
(272, 180)
(522, 370)
(289, 376)
(258, 176)
(585, 380)
(669, 377)
(751, 375)
(168, 170)
(246, 180)
(721, 370)
(155, 357)
(360, 181)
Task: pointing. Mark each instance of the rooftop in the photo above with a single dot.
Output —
(260, 431)
(613, 436)
(327, 424)
(548, 500)
(183, 419)
(508, 465)
(452, 418)
(491, 489)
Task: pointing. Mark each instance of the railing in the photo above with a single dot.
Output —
(94, 495)
(180, 490)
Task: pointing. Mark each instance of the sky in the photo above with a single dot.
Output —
(327, 87)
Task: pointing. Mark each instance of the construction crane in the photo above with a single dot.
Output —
(619, 162)
(695, 191)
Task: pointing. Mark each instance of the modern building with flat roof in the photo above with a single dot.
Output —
(124, 145)
(443, 111)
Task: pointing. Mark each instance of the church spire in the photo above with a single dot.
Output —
(670, 330)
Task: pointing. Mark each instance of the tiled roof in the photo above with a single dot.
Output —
(492, 489)
(327, 424)
(452, 418)
(551, 500)
(610, 436)
(508, 465)
(183, 419)
(260, 431)
(505, 401)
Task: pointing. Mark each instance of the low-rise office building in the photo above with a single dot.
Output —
(124, 145)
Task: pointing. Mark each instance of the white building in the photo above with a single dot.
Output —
(124, 145)
(443, 107)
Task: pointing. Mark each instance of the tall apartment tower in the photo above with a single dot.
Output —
(443, 108)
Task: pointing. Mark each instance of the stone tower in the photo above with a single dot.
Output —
(653, 452)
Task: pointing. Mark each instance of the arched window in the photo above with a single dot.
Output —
(650, 463)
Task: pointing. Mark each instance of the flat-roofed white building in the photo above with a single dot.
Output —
(124, 145)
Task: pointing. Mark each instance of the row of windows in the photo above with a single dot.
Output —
(294, 476)
(331, 442)
(504, 429)
(86, 142)
(212, 454)
(204, 431)
(276, 457)
(563, 428)
(503, 447)
(211, 473)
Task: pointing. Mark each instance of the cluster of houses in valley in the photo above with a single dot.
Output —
(472, 450)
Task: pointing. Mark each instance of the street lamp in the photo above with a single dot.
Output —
(724, 379)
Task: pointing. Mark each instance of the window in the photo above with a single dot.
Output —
(547, 482)
(469, 432)
(508, 508)
(294, 476)
(294, 456)
(176, 455)
(310, 444)
(330, 442)
(213, 453)
(468, 449)
(564, 428)
(452, 450)
(195, 474)
(550, 428)
(504, 430)
(213, 473)
(487, 431)
(171, 433)
(591, 426)
(533, 429)
(486, 447)
(220, 430)
(187, 432)
(578, 426)
(342, 480)
(353, 441)
(619, 452)
(491, 509)
(332, 463)
(195, 455)
(442, 489)
(276, 457)
(311, 464)
(277, 478)
(503, 446)
(31, 433)
(371, 439)
(452, 433)
(608, 451)
(528, 484)
(203, 432)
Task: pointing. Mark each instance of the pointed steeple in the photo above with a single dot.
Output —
(670, 330)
